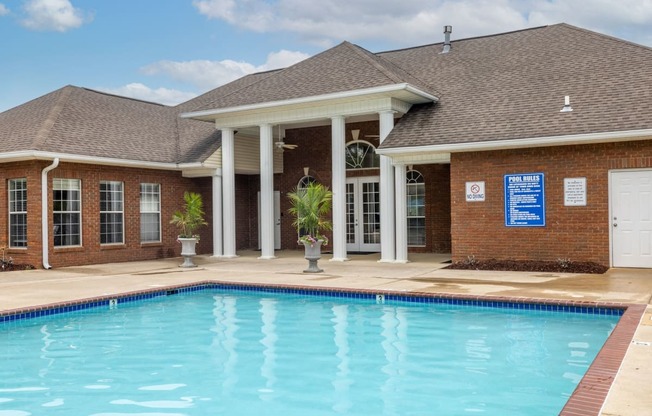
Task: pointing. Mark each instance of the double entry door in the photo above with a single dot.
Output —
(363, 214)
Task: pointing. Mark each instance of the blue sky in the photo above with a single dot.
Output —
(171, 50)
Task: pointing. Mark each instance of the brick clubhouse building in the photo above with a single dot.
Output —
(528, 145)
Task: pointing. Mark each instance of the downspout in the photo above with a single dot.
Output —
(45, 235)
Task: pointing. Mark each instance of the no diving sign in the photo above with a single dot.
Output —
(475, 191)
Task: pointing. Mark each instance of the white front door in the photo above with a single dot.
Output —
(363, 214)
(631, 218)
(277, 220)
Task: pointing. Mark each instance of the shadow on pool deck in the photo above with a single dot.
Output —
(425, 273)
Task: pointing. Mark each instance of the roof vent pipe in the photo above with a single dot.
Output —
(447, 38)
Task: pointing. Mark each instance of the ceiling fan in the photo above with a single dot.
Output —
(280, 144)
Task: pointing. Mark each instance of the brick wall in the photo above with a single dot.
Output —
(314, 152)
(173, 186)
(438, 209)
(580, 233)
(32, 172)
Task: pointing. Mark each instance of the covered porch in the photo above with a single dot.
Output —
(267, 128)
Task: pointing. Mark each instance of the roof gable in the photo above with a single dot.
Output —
(345, 67)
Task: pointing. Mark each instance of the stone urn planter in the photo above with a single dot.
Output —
(310, 207)
(188, 220)
(188, 251)
(313, 254)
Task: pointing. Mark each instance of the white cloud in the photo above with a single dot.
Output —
(593, 12)
(282, 59)
(421, 21)
(56, 15)
(206, 74)
(201, 73)
(3, 10)
(142, 92)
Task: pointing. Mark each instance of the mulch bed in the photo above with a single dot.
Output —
(562, 266)
(11, 267)
(472, 264)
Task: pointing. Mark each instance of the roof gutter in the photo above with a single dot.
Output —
(45, 235)
(574, 139)
(72, 158)
(385, 89)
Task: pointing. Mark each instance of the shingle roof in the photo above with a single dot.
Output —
(498, 87)
(344, 67)
(512, 85)
(79, 121)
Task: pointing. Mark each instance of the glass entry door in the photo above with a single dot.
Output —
(363, 214)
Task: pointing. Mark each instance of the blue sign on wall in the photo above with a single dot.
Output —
(525, 202)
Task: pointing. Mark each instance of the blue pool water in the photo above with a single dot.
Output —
(245, 353)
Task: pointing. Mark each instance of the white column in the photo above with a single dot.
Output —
(387, 219)
(218, 248)
(338, 187)
(401, 214)
(266, 192)
(228, 191)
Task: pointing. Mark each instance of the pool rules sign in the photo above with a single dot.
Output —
(525, 202)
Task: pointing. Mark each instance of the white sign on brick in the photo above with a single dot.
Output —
(575, 192)
(475, 191)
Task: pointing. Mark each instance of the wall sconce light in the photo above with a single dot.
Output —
(305, 171)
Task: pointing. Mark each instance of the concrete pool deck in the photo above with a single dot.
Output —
(630, 394)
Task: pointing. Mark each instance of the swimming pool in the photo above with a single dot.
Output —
(213, 350)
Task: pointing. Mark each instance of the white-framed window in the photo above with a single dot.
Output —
(305, 181)
(150, 212)
(18, 213)
(361, 155)
(66, 200)
(303, 184)
(111, 212)
(416, 209)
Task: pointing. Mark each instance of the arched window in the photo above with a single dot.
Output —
(416, 209)
(303, 184)
(361, 155)
(305, 181)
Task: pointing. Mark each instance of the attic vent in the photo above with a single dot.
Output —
(447, 38)
(567, 107)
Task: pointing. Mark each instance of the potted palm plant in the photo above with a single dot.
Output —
(310, 207)
(188, 220)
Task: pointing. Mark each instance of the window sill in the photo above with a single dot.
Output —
(117, 246)
(151, 244)
(68, 249)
